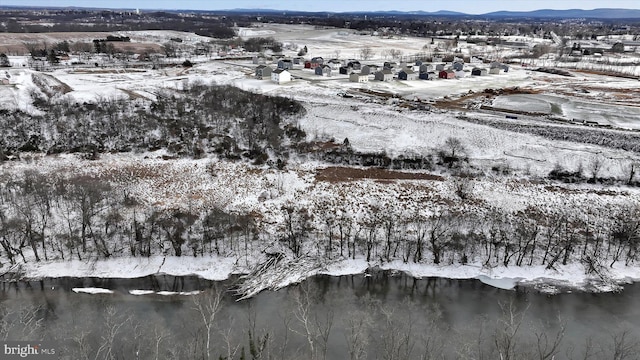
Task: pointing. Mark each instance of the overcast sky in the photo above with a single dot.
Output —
(467, 6)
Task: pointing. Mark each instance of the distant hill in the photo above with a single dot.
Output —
(572, 13)
(603, 13)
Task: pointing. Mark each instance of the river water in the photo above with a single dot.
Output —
(386, 315)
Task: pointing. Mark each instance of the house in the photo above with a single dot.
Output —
(324, 70)
(460, 73)
(477, 60)
(258, 60)
(505, 67)
(263, 72)
(355, 65)
(281, 76)
(440, 67)
(310, 64)
(318, 60)
(479, 72)
(495, 64)
(427, 75)
(335, 64)
(458, 66)
(407, 74)
(425, 68)
(358, 77)
(285, 64)
(389, 65)
(419, 63)
(384, 75)
(436, 59)
(345, 70)
(298, 60)
(447, 74)
(369, 69)
(494, 71)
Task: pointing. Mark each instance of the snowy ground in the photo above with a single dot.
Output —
(371, 124)
(217, 269)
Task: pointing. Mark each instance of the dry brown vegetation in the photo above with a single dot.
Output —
(339, 174)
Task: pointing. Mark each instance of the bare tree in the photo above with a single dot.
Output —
(395, 53)
(623, 347)
(315, 328)
(114, 321)
(23, 322)
(398, 336)
(366, 53)
(506, 333)
(595, 166)
(631, 170)
(357, 334)
(207, 305)
(548, 347)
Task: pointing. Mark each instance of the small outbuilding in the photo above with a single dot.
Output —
(281, 76)
(426, 68)
(384, 75)
(427, 75)
(345, 70)
(407, 74)
(354, 64)
(311, 65)
(358, 77)
(324, 70)
(285, 64)
(263, 72)
(479, 72)
(447, 74)
(335, 64)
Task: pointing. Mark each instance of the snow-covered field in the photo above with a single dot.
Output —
(370, 124)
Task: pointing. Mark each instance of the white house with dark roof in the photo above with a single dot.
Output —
(280, 76)
(358, 77)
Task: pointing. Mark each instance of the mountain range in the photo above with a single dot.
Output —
(601, 13)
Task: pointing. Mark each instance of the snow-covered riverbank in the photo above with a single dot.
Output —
(563, 278)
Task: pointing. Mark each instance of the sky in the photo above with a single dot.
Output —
(466, 6)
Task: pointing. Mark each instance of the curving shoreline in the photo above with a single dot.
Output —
(564, 279)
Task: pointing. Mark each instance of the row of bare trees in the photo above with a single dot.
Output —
(58, 217)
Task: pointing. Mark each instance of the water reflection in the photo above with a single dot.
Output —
(383, 315)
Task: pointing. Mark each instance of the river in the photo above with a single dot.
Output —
(384, 315)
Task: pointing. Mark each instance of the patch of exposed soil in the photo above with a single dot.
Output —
(459, 103)
(340, 173)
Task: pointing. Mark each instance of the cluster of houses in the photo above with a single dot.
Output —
(389, 71)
